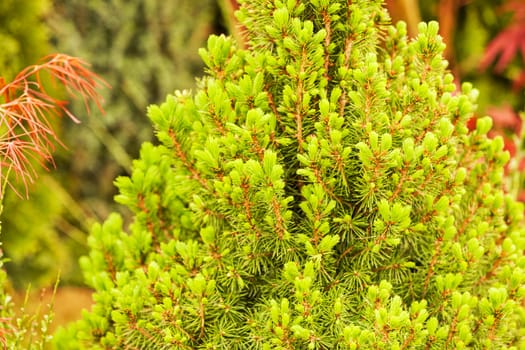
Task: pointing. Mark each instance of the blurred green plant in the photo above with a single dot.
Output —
(143, 49)
(23, 34)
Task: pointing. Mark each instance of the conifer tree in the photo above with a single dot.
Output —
(320, 190)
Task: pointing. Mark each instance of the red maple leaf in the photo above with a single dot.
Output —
(516, 6)
(505, 118)
(505, 45)
(508, 43)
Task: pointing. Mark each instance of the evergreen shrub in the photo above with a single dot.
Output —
(320, 190)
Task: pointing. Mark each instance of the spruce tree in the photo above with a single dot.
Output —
(319, 190)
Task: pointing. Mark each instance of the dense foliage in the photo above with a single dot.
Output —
(320, 190)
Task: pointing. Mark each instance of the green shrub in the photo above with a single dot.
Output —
(320, 190)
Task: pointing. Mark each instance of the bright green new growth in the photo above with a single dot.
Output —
(320, 190)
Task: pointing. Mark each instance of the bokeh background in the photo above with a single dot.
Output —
(146, 49)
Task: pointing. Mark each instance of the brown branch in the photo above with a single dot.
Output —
(430, 273)
(343, 99)
(280, 227)
(182, 156)
(327, 39)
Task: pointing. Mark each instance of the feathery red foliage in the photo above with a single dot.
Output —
(26, 109)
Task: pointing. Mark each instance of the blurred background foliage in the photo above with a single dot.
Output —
(146, 49)
(23, 34)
